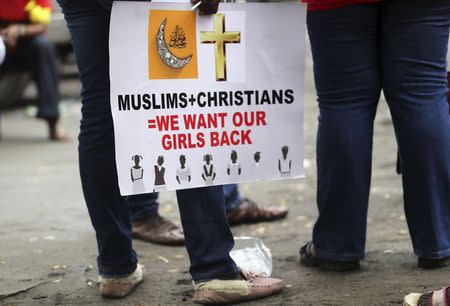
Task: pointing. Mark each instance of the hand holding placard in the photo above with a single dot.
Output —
(207, 7)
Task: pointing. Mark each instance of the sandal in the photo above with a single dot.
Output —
(436, 297)
(433, 263)
(249, 212)
(115, 287)
(308, 258)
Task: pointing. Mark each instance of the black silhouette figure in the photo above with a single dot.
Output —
(136, 172)
(208, 174)
(257, 158)
(159, 172)
(183, 173)
(284, 164)
(234, 168)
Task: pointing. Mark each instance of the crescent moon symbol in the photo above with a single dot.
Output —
(164, 53)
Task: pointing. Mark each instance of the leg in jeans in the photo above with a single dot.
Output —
(344, 48)
(39, 54)
(88, 23)
(208, 236)
(143, 206)
(415, 37)
(232, 197)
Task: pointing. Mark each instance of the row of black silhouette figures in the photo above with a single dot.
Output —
(183, 173)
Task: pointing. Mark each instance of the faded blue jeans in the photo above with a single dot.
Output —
(202, 210)
(400, 47)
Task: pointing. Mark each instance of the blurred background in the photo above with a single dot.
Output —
(17, 91)
(47, 245)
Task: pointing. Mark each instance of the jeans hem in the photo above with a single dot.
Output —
(227, 275)
(229, 207)
(433, 254)
(117, 271)
(47, 116)
(142, 217)
(337, 257)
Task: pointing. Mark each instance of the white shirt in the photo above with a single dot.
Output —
(137, 173)
(183, 174)
(234, 168)
(210, 174)
(285, 165)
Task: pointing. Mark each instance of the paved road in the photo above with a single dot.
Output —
(47, 246)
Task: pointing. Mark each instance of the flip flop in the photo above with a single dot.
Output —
(309, 260)
(437, 297)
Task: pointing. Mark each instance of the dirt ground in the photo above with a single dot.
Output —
(48, 250)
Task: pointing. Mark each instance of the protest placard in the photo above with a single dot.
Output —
(206, 100)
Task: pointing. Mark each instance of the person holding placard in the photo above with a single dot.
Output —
(359, 48)
(202, 210)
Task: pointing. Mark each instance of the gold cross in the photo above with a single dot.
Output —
(219, 38)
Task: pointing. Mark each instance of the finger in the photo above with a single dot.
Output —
(211, 2)
(9, 43)
(208, 9)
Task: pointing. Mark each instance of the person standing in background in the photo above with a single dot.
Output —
(148, 225)
(359, 48)
(23, 25)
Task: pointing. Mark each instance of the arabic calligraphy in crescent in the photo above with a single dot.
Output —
(164, 53)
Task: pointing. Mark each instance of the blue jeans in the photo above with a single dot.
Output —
(400, 47)
(144, 206)
(202, 210)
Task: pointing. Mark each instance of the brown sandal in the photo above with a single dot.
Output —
(249, 212)
(158, 229)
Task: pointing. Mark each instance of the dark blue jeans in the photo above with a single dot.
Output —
(400, 47)
(37, 54)
(144, 206)
(202, 210)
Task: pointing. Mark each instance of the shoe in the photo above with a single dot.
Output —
(250, 212)
(250, 287)
(433, 263)
(159, 230)
(436, 297)
(308, 258)
(116, 287)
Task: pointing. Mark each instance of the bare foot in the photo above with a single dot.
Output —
(54, 134)
(60, 137)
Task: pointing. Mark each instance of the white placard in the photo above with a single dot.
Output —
(206, 100)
